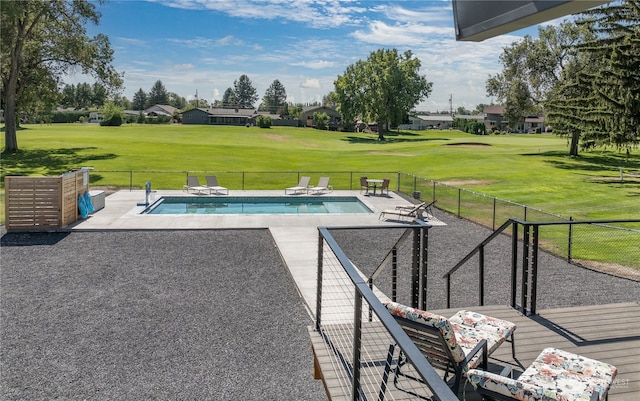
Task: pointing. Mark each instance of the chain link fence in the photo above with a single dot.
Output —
(607, 247)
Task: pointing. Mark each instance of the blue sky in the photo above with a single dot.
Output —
(204, 45)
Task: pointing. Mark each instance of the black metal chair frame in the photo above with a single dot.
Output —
(434, 347)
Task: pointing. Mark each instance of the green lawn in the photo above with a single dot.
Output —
(531, 169)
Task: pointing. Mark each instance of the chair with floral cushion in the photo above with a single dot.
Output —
(453, 345)
(554, 375)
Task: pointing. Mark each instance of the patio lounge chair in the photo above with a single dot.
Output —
(409, 212)
(555, 374)
(212, 184)
(323, 185)
(193, 184)
(453, 345)
(303, 186)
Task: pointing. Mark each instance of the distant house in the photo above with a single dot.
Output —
(429, 121)
(306, 117)
(532, 123)
(160, 110)
(494, 118)
(219, 116)
(95, 117)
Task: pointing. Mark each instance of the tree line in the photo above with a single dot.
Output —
(583, 75)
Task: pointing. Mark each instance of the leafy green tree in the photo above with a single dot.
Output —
(139, 100)
(532, 68)
(111, 115)
(158, 94)
(84, 95)
(598, 102)
(41, 42)
(263, 121)
(229, 99)
(179, 102)
(98, 95)
(384, 88)
(275, 98)
(246, 94)
(321, 120)
(69, 96)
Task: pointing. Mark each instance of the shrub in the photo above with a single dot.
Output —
(263, 121)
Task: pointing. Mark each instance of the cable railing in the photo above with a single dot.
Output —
(526, 238)
(356, 329)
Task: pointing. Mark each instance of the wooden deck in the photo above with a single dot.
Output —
(609, 333)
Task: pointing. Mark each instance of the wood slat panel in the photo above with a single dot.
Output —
(43, 203)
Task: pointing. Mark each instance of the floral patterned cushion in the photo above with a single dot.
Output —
(430, 319)
(472, 327)
(554, 375)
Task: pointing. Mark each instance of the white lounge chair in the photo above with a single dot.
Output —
(404, 212)
(303, 186)
(193, 184)
(212, 184)
(323, 185)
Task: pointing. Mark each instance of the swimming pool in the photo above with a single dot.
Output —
(256, 205)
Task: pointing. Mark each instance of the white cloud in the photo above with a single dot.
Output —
(316, 65)
(310, 83)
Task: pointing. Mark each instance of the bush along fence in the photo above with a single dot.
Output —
(589, 245)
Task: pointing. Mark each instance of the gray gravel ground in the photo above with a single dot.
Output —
(152, 315)
(211, 315)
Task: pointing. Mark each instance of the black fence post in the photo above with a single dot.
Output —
(514, 263)
(525, 268)
(319, 282)
(534, 270)
(570, 241)
(424, 266)
(394, 274)
(357, 342)
(415, 267)
(481, 275)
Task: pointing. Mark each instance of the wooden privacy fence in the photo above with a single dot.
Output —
(43, 203)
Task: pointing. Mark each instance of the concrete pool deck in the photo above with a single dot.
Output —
(121, 213)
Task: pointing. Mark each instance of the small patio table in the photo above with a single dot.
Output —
(375, 183)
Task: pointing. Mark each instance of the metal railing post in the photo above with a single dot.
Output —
(319, 283)
(481, 275)
(130, 180)
(357, 332)
(394, 274)
(534, 270)
(415, 267)
(424, 265)
(525, 268)
(514, 263)
(459, 200)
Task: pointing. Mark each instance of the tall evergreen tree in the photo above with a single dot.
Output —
(600, 102)
(139, 100)
(275, 98)
(158, 94)
(246, 95)
(229, 98)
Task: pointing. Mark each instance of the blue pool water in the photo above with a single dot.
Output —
(256, 205)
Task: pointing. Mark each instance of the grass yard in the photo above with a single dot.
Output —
(531, 169)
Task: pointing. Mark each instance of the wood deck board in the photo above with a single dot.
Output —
(609, 333)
